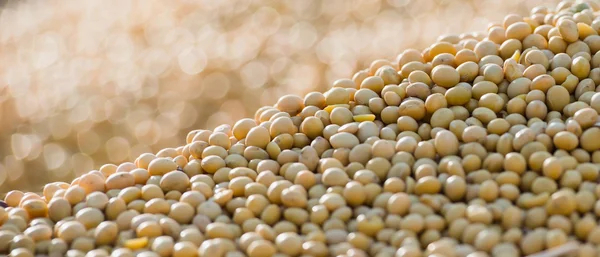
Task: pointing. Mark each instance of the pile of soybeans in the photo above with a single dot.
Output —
(479, 145)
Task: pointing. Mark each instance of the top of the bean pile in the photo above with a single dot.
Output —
(479, 145)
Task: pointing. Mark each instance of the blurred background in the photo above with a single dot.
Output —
(84, 83)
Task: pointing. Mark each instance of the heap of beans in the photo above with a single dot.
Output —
(480, 145)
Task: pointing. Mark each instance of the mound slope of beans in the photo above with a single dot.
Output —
(479, 145)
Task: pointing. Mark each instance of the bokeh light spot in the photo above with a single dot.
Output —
(54, 156)
(192, 60)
